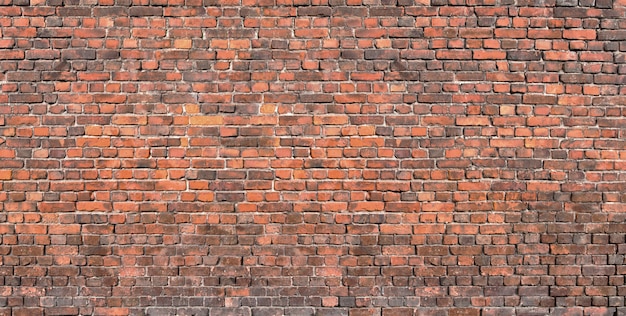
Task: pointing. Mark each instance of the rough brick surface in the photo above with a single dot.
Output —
(312, 157)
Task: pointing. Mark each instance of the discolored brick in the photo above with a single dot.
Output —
(342, 157)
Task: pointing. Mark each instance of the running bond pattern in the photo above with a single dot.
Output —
(312, 157)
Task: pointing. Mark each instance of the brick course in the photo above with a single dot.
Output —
(312, 157)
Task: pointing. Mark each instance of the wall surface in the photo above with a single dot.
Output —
(312, 157)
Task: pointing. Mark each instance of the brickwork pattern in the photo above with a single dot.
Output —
(312, 157)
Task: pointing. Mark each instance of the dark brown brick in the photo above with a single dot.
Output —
(145, 11)
(74, 11)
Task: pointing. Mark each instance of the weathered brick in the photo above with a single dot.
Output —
(392, 157)
(524, 55)
(74, 11)
(8, 54)
(314, 11)
(562, 12)
(88, 54)
(381, 54)
(145, 11)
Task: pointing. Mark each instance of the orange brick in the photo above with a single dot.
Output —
(206, 120)
(5, 174)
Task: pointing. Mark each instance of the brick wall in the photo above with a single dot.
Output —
(312, 157)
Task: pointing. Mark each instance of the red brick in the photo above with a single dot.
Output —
(507, 142)
(465, 312)
(476, 32)
(113, 311)
(7, 54)
(472, 121)
(560, 56)
(580, 34)
(244, 157)
(551, 34)
(543, 121)
(330, 120)
(488, 54)
(27, 311)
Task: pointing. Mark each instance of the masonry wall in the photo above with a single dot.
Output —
(312, 157)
